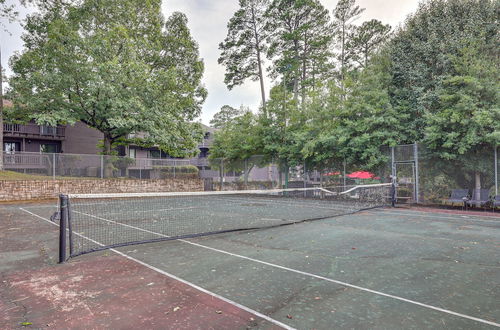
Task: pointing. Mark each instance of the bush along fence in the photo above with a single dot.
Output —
(425, 177)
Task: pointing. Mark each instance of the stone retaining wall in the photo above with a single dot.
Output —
(17, 190)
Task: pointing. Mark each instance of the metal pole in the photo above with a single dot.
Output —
(417, 182)
(221, 174)
(174, 167)
(393, 164)
(393, 177)
(102, 166)
(63, 217)
(344, 175)
(53, 166)
(245, 173)
(304, 176)
(496, 170)
(140, 169)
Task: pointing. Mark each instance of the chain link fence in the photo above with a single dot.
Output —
(59, 165)
(421, 176)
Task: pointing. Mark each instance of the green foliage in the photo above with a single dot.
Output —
(237, 140)
(422, 51)
(118, 69)
(299, 40)
(345, 13)
(225, 116)
(244, 47)
(365, 40)
(464, 123)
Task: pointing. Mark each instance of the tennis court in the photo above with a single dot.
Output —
(375, 268)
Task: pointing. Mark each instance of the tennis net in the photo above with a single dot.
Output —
(93, 222)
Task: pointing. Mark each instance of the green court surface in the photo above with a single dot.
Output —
(382, 268)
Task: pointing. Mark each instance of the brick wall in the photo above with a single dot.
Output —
(45, 189)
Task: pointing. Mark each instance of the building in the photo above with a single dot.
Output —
(76, 139)
(22, 143)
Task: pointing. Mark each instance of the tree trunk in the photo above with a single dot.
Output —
(108, 163)
(259, 61)
(477, 179)
(1, 113)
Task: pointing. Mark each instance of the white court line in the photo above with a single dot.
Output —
(323, 278)
(458, 217)
(199, 288)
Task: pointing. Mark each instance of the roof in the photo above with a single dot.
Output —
(206, 128)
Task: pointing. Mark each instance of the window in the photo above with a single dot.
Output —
(154, 154)
(51, 148)
(207, 136)
(11, 147)
(132, 153)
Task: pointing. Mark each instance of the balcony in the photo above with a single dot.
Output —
(34, 131)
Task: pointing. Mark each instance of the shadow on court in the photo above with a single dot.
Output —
(386, 268)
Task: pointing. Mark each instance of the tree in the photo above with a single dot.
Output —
(118, 69)
(226, 115)
(366, 39)
(464, 125)
(244, 46)
(345, 13)
(7, 12)
(421, 53)
(235, 144)
(299, 41)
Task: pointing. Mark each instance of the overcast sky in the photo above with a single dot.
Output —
(207, 22)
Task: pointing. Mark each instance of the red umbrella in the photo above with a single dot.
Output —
(361, 175)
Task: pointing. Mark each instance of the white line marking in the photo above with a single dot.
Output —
(247, 309)
(322, 278)
(437, 216)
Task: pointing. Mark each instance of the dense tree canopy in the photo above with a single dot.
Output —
(434, 80)
(119, 69)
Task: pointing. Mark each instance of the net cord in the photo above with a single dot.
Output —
(217, 193)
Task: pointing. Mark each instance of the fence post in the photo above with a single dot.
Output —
(393, 175)
(496, 170)
(140, 169)
(174, 167)
(305, 177)
(344, 174)
(245, 173)
(102, 166)
(53, 166)
(221, 174)
(417, 182)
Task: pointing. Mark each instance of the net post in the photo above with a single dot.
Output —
(63, 212)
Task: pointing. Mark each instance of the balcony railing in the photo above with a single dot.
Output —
(34, 130)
